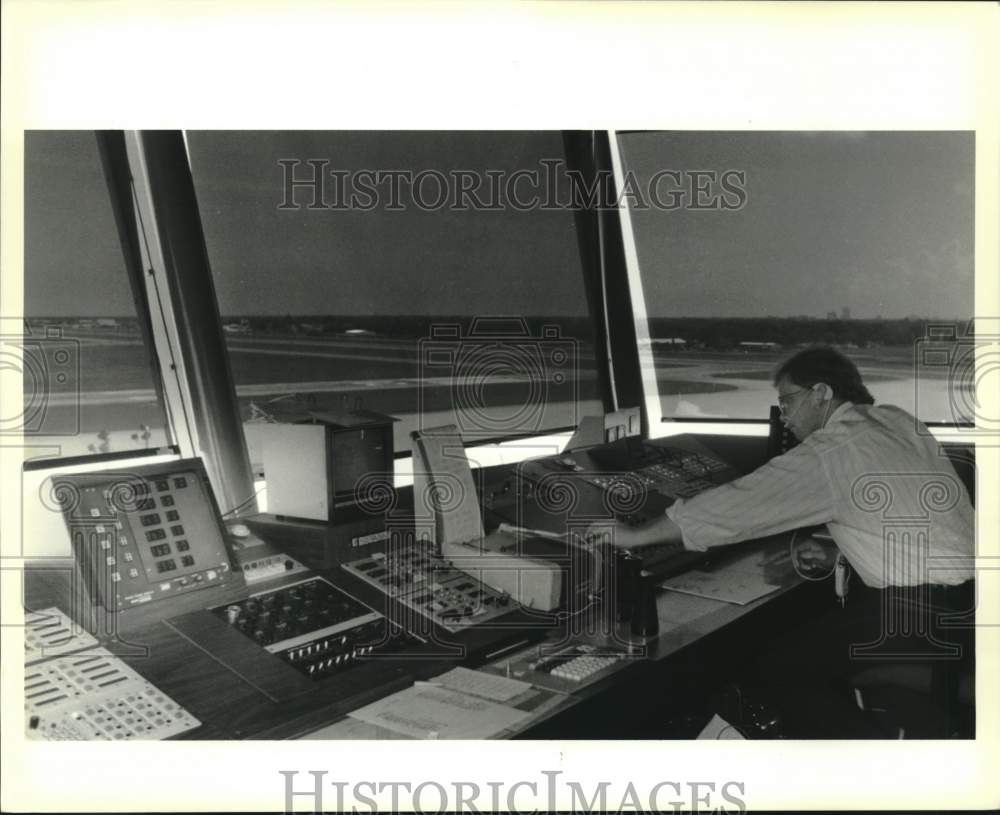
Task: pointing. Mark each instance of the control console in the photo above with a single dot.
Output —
(75, 690)
(145, 536)
(316, 628)
(427, 583)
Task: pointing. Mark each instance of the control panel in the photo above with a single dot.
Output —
(577, 664)
(428, 585)
(51, 633)
(630, 481)
(678, 475)
(632, 470)
(316, 628)
(145, 538)
(90, 694)
(565, 667)
(257, 559)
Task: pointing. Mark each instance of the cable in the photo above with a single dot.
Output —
(246, 503)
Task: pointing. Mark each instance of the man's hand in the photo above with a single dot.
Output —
(622, 536)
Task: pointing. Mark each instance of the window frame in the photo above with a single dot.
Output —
(124, 195)
(661, 426)
(595, 288)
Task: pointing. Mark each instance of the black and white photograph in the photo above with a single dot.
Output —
(435, 457)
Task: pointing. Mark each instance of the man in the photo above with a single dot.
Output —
(894, 507)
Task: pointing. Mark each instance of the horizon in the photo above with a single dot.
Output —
(554, 317)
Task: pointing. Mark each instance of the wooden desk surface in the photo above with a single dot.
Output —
(231, 708)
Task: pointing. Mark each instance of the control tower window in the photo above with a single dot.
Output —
(753, 244)
(87, 371)
(435, 277)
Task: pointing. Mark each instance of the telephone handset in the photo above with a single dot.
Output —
(780, 439)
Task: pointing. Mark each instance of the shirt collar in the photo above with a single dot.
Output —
(839, 413)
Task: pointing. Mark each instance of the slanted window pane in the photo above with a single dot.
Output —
(753, 244)
(334, 302)
(88, 381)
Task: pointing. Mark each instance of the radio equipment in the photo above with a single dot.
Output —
(319, 468)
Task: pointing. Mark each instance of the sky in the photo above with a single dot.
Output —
(880, 223)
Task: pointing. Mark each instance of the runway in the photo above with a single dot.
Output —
(505, 389)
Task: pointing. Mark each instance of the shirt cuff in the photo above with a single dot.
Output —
(672, 513)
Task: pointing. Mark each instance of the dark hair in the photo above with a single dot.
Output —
(821, 363)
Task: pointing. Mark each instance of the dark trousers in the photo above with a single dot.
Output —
(897, 638)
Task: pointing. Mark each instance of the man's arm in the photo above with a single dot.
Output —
(659, 531)
(788, 492)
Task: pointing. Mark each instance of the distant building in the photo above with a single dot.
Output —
(845, 313)
(675, 342)
(758, 346)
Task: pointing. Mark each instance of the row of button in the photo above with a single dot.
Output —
(583, 667)
(340, 659)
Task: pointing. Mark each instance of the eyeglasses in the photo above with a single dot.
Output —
(784, 399)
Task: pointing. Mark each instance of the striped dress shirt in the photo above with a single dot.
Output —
(875, 476)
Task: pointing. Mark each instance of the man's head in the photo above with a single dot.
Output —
(812, 384)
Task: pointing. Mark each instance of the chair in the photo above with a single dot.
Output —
(929, 698)
(919, 700)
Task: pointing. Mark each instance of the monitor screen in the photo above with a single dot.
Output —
(360, 452)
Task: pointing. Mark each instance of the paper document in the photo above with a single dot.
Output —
(720, 729)
(443, 484)
(510, 529)
(429, 712)
(349, 729)
(487, 686)
(730, 584)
